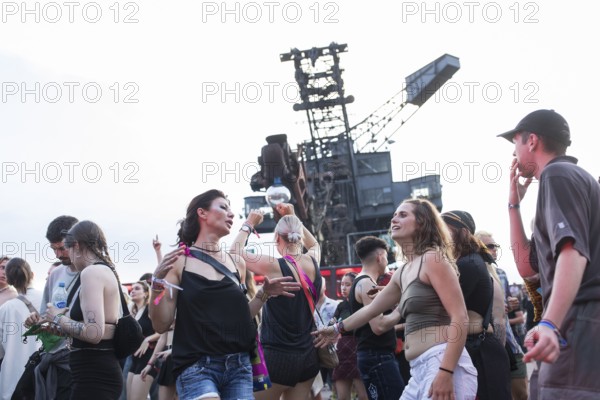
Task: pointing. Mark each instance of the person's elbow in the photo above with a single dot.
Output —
(160, 327)
(94, 338)
(460, 318)
(379, 330)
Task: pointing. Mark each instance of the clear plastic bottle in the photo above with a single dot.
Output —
(59, 297)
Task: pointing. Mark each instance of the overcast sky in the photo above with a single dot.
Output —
(122, 112)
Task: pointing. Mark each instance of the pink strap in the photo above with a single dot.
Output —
(311, 302)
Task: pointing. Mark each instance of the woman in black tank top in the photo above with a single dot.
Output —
(138, 388)
(215, 332)
(96, 373)
(287, 323)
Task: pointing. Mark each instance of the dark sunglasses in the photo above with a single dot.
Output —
(492, 246)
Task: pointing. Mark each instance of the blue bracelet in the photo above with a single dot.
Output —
(561, 340)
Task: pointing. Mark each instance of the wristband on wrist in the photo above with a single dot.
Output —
(158, 288)
(157, 284)
(57, 318)
(247, 227)
(340, 327)
(549, 324)
(447, 370)
(264, 296)
(511, 206)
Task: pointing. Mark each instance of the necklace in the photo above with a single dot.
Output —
(4, 288)
(207, 250)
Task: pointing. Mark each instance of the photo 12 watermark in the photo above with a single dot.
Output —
(69, 172)
(252, 12)
(228, 172)
(250, 92)
(68, 92)
(477, 92)
(471, 12)
(41, 252)
(69, 12)
(453, 172)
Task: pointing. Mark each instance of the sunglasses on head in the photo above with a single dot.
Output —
(492, 246)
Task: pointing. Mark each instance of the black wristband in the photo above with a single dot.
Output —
(447, 370)
(513, 206)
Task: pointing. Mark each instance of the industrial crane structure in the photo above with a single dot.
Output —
(340, 180)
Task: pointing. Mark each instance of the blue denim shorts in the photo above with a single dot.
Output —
(228, 377)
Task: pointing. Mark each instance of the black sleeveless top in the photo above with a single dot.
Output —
(342, 312)
(365, 338)
(475, 283)
(287, 321)
(145, 323)
(213, 318)
(76, 314)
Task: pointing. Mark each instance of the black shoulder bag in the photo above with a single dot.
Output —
(128, 333)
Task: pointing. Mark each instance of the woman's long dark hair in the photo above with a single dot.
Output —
(89, 236)
(190, 226)
(466, 243)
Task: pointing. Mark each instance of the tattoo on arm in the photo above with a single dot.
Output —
(78, 329)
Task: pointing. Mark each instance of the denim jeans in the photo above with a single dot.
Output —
(228, 377)
(380, 373)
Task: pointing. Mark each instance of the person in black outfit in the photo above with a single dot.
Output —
(215, 332)
(287, 323)
(346, 373)
(376, 341)
(96, 373)
(138, 388)
(489, 354)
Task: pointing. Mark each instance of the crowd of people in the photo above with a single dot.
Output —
(448, 309)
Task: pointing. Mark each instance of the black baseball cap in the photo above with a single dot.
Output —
(459, 219)
(547, 123)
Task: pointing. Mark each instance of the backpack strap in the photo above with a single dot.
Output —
(27, 303)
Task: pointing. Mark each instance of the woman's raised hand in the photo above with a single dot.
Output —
(285, 209)
(255, 218)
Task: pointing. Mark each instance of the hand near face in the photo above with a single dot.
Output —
(517, 189)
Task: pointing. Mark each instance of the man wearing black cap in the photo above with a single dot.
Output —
(566, 231)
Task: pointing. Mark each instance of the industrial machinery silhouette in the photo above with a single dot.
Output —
(340, 181)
